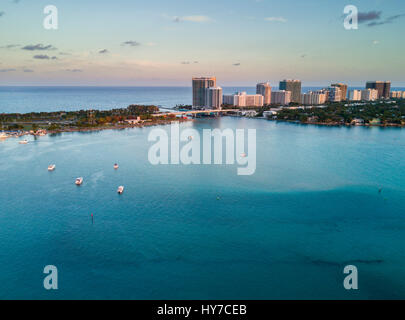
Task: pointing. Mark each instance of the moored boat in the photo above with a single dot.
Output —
(79, 181)
(25, 141)
(116, 166)
(51, 167)
(120, 189)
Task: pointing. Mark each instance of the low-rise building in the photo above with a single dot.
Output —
(242, 99)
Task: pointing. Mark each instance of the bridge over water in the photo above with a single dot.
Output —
(195, 112)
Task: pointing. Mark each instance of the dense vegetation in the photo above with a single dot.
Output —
(82, 118)
(383, 113)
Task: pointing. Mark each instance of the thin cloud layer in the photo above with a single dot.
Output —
(131, 43)
(369, 16)
(10, 46)
(103, 51)
(44, 57)
(39, 47)
(374, 18)
(276, 19)
(198, 19)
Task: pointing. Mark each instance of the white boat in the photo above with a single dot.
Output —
(116, 166)
(3, 135)
(79, 181)
(23, 141)
(51, 167)
(120, 189)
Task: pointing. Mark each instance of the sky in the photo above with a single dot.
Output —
(166, 43)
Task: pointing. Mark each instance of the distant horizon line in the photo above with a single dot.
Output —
(165, 86)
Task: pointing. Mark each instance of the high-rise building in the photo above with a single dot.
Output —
(369, 94)
(355, 95)
(383, 88)
(343, 88)
(313, 98)
(294, 86)
(335, 94)
(213, 98)
(199, 90)
(265, 90)
(241, 99)
(281, 97)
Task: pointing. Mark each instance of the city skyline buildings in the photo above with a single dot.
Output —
(265, 90)
(383, 88)
(163, 43)
(294, 86)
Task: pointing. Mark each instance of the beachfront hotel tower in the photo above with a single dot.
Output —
(343, 90)
(213, 98)
(294, 86)
(200, 86)
(265, 90)
(281, 97)
(383, 88)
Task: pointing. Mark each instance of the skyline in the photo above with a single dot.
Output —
(242, 42)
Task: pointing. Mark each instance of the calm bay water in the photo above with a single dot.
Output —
(287, 231)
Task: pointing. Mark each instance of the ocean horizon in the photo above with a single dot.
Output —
(25, 99)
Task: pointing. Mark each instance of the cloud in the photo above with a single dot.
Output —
(131, 43)
(390, 19)
(10, 46)
(196, 62)
(7, 70)
(369, 16)
(65, 53)
(44, 57)
(28, 70)
(199, 19)
(303, 55)
(74, 70)
(276, 19)
(2, 13)
(236, 64)
(375, 42)
(103, 51)
(185, 62)
(39, 47)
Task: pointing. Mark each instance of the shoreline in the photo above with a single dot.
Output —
(336, 124)
(101, 128)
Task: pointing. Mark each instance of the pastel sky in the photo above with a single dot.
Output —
(162, 42)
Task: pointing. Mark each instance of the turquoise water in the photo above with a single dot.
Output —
(312, 207)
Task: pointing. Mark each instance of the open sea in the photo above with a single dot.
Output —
(35, 99)
(321, 198)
